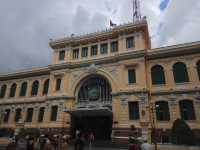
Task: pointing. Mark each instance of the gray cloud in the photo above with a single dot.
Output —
(27, 26)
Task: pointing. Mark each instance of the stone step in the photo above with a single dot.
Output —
(109, 144)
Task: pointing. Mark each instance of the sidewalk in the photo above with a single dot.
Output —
(98, 148)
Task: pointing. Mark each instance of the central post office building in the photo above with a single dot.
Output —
(107, 82)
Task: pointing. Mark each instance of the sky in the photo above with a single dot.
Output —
(26, 26)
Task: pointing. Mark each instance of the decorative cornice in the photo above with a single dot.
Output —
(33, 100)
(100, 61)
(63, 42)
(184, 91)
(158, 53)
(60, 97)
(174, 50)
(138, 92)
(25, 73)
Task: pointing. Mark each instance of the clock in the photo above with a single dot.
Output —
(93, 93)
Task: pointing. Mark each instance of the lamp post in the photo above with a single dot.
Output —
(153, 124)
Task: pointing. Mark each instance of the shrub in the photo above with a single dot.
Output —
(181, 133)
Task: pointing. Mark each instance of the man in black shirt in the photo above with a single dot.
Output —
(79, 143)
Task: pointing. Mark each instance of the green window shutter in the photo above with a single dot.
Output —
(130, 42)
(23, 89)
(187, 110)
(58, 84)
(94, 50)
(84, 52)
(131, 76)
(75, 54)
(104, 48)
(54, 111)
(134, 113)
(18, 114)
(46, 87)
(198, 69)
(41, 114)
(13, 90)
(114, 46)
(35, 87)
(61, 55)
(157, 75)
(180, 73)
(7, 115)
(162, 111)
(29, 116)
(3, 91)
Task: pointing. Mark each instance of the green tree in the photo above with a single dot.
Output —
(181, 133)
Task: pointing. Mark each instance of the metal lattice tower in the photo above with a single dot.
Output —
(136, 11)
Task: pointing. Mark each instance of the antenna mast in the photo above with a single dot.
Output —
(136, 11)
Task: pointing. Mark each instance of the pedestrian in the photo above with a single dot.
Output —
(37, 144)
(48, 145)
(42, 141)
(65, 144)
(91, 139)
(11, 145)
(79, 142)
(112, 136)
(30, 143)
(146, 146)
(133, 145)
(77, 133)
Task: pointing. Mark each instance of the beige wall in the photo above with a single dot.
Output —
(139, 45)
(117, 75)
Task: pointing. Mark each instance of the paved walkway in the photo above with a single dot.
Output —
(99, 148)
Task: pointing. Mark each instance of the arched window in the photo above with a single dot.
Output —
(187, 110)
(23, 89)
(35, 87)
(180, 73)
(198, 69)
(3, 91)
(157, 75)
(18, 114)
(13, 90)
(46, 87)
(162, 111)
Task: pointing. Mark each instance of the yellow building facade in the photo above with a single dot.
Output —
(106, 82)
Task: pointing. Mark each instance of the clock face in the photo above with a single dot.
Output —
(93, 93)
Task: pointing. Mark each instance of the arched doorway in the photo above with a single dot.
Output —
(93, 110)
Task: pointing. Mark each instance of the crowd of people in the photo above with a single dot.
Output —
(61, 142)
(136, 144)
(52, 142)
(43, 142)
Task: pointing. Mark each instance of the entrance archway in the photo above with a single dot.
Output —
(93, 111)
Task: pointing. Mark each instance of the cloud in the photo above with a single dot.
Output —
(27, 26)
(180, 23)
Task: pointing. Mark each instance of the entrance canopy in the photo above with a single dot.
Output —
(85, 112)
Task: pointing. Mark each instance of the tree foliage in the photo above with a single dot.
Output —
(181, 133)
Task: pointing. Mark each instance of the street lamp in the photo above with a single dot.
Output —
(153, 124)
